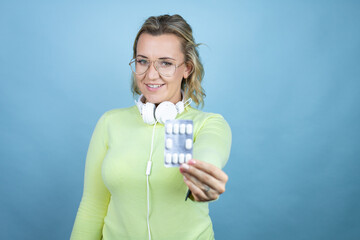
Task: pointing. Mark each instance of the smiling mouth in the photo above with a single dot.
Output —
(154, 85)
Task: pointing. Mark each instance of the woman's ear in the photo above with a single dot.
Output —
(188, 70)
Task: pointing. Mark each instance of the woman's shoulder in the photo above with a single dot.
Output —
(201, 118)
(199, 115)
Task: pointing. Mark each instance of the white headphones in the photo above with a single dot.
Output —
(164, 111)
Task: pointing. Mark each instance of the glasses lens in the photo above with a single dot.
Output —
(166, 67)
(132, 66)
(139, 65)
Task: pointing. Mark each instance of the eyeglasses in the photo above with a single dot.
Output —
(165, 67)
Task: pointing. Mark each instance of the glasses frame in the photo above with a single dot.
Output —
(155, 66)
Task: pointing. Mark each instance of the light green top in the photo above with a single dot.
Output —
(114, 202)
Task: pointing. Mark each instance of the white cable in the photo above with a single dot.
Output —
(148, 171)
(187, 102)
(148, 206)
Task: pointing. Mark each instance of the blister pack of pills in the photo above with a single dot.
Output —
(178, 142)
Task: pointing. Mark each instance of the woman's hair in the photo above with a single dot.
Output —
(175, 24)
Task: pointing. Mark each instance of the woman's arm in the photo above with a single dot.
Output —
(94, 203)
(203, 174)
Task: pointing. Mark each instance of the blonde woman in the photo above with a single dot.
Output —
(124, 196)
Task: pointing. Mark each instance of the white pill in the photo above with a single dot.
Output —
(181, 158)
(169, 143)
(168, 158)
(182, 128)
(189, 129)
(188, 157)
(176, 128)
(175, 158)
(169, 128)
(188, 144)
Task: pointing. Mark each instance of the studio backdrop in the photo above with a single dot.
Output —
(284, 74)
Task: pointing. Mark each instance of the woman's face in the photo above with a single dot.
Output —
(155, 87)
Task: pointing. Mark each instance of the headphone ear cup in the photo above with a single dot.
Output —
(165, 111)
(180, 107)
(148, 113)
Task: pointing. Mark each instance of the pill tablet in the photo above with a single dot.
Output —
(175, 158)
(181, 158)
(169, 128)
(168, 158)
(189, 129)
(176, 128)
(188, 143)
(169, 143)
(188, 157)
(182, 128)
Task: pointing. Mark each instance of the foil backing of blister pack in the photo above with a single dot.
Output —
(178, 142)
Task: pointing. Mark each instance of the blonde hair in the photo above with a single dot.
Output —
(175, 24)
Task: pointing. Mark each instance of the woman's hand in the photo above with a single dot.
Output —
(205, 181)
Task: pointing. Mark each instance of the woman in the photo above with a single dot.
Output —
(123, 198)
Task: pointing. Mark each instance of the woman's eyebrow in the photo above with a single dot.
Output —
(162, 58)
(141, 56)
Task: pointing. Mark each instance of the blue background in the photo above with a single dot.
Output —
(285, 75)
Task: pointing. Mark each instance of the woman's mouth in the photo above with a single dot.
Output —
(154, 87)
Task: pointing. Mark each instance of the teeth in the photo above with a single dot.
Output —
(154, 86)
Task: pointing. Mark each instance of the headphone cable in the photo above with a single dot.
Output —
(148, 171)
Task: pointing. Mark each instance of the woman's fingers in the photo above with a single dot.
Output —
(201, 192)
(196, 191)
(205, 181)
(206, 173)
(210, 169)
(200, 177)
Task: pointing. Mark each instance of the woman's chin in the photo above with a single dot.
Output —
(155, 100)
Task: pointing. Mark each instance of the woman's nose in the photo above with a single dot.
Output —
(152, 72)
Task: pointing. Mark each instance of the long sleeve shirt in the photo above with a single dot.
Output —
(114, 201)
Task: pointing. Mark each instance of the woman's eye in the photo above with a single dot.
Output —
(142, 61)
(166, 64)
